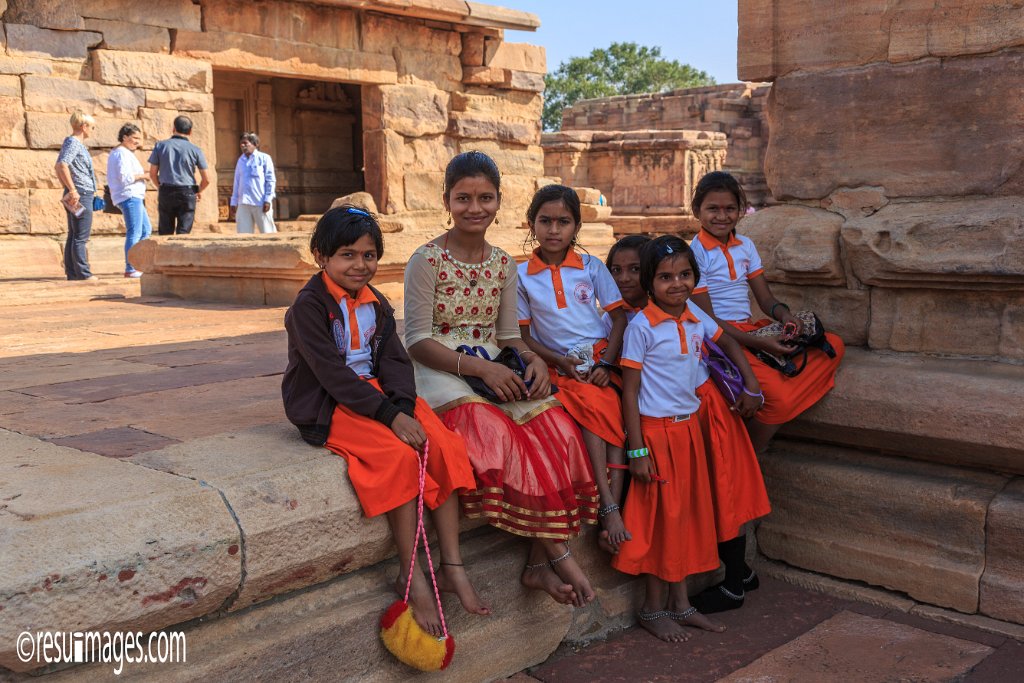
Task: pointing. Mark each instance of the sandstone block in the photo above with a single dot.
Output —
(472, 125)
(797, 244)
(240, 52)
(153, 551)
(158, 124)
(524, 80)
(963, 412)
(12, 121)
(962, 244)
(292, 21)
(382, 179)
(908, 526)
(144, 70)
(906, 150)
(362, 200)
(27, 168)
(484, 75)
(472, 49)
(515, 56)
(511, 103)
(418, 67)
(590, 195)
(47, 131)
(409, 110)
(846, 312)
(56, 14)
(28, 257)
(976, 323)
(858, 202)
(383, 34)
(592, 212)
(179, 101)
(62, 95)
(177, 14)
(23, 65)
(1002, 594)
(423, 190)
(953, 28)
(13, 219)
(42, 43)
(122, 35)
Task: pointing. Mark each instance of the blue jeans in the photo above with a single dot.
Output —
(76, 259)
(136, 224)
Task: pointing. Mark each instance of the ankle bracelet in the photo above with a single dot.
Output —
(558, 559)
(607, 510)
(729, 594)
(536, 566)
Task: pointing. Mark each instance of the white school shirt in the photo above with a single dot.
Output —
(606, 319)
(724, 272)
(666, 351)
(559, 303)
(357, 327)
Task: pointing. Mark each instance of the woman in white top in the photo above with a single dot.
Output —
(127, 182)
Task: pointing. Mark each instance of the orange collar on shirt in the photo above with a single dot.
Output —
(536, 265)
(363, 296)
(711, 242)
(656, 316)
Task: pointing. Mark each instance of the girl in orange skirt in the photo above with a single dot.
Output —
(349, 386)
(669, 508)
(558, 319)
(731, 270)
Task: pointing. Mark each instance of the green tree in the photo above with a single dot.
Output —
(622, 69)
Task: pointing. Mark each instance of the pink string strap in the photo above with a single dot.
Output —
(421, 532)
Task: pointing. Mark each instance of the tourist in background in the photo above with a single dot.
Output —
(252, 197)
(127, 181)
(75, 173)
(172, 167)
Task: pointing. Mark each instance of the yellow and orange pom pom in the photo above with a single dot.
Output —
(404, 638)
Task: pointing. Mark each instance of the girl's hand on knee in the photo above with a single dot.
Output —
(641, 469)
(506, 384)
(409, 431)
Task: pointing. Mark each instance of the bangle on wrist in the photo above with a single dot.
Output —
(458, 364)
(637, 453)
(771, 313)
(759, 394)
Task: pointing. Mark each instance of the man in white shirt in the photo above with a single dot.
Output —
(253, 194)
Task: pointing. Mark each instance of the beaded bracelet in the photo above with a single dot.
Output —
(637, 453)
(771, 313)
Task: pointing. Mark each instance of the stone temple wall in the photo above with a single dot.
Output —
(897, 153)
(433, 79)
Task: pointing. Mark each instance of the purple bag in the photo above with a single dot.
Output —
(724, 372)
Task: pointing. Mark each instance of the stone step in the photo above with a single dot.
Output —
(27, 292)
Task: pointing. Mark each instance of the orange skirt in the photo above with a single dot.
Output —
(533, 479)
(384, 471)
(787, 397)
(737, 487)
(672, 523)
(596, 409)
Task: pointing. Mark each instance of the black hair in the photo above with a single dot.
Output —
(182, 124)
(635, 242)
(251, 137)
(714, 182)
(656, 251)
(471, 165)
(126, 130)
(341, 226)
(554, 193)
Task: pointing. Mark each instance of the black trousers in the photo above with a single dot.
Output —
(176, 205)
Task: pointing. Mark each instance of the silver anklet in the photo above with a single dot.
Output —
(536, 566)
(566, 556)
(732, 596)
(651, 616)
(607, 510)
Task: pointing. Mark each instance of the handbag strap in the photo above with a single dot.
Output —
(421, 532)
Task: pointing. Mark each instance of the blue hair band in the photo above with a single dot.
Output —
(358, 212)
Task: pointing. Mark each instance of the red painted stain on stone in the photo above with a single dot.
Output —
(293, 578)
(340, 565)
(185, 589)
(292, 504)
(233, 549)
(102, 577)
(125, 574)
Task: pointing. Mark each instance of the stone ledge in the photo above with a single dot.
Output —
(954, 411)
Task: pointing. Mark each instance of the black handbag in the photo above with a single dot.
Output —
(508, 357)
(108, 202)
(812, 336)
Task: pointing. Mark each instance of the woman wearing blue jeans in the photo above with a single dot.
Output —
(127, 183)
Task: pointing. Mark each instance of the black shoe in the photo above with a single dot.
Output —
(717, 599)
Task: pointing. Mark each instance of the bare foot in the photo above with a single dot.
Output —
(570, 572)
(662, 627)
(544, 579)
(422, 602)
(617, 534)
(604, 544)
(691, 617)
(452, 578)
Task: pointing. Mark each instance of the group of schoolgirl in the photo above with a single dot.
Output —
(623, 343)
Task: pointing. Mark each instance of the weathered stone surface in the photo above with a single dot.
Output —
(159, 72)
(846, 312)
(47, 131)
(62, 95)
(511, 159)
(478, 125)
(865, 649)
(29, 41)
(472, 49)
(858, 202)
(47, 215)
(21, 168)
(383, 34)
(775, 40)
(122, 35)
(410, 110)
(177, 14)
(423, 190)
(158, 124)
(484, 75)
(589, 195)
(12, 113)
(511, 103)
(14, 219)
(57, 14)
(592, 212)
(836, 129)
(240, 52)
(515, 56)
(975, 323)
(293, 21)
(419, 67)
(524, 80)
(908, 526)
(964, 412)
(363, 200)
(962, 244)
(154, 550)
(24, 65)
(1002, 593)
(797, 244)
(179, 101)
(382, 177)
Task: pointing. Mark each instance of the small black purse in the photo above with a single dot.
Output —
(508, 357)
(812, 336)
(108, 202)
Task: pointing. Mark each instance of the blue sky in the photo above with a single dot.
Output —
(701, 34)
